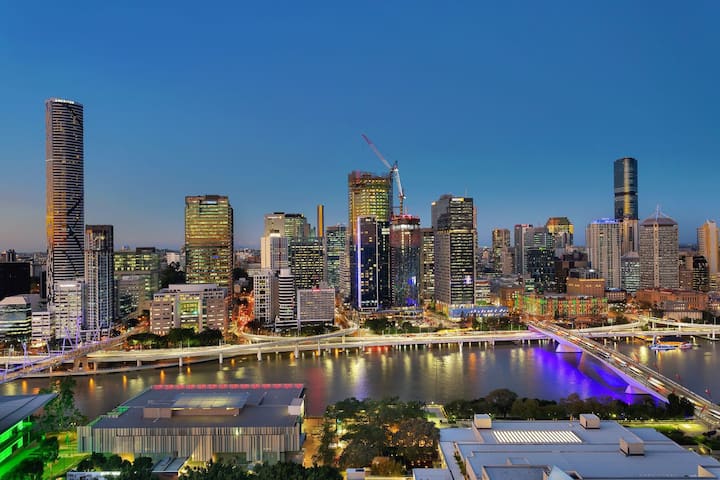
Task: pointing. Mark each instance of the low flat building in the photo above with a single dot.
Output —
(16, 315)
(247, 423)
(15, 423)
(655, 296)
(316, 306)
(564, 306)
(565, 450)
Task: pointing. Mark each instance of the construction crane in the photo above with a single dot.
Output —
(393, 171)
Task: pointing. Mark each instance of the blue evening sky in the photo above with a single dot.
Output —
(521, 105)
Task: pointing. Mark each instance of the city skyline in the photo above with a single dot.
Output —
(278, 103)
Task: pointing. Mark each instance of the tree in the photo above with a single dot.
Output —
(502, 400)
(171, 275)
(60, 413)
(366, 442)
(29, 469)
(49, 449)
(217, 471)
(140, 469)
(416, 441)
(386, 467)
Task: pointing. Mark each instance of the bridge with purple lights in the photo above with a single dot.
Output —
(640, 379)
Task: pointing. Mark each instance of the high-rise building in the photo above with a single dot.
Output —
(368, 283)
(368, 196)
(603, 242)
(519, 234)
(566, 263)
(369, 209)
(16, 315)
(320, 231)
(708, 237)
(455, 247)
(286, 300)
(500, 244)
(630, 268)
(209, 240)
(263, 293)
(137, 273)
(316, 306)
(68, 309)
(274, 251)
(288, 225)
(405, 252)
(659, 252)
(306, 258)
(538, 251)
(701, 274)
(336, 266)
(562, 231)
(99, 277)
(65, 195)
(427, 265)
(626, 188)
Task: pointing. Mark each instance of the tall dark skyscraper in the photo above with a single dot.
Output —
(99, 277)
(65, 195)
(455, 247)
(626, 189)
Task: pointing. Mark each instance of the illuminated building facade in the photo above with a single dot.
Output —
(370, 267)
(16, 315)
(519, 235)
(630, 272)
(405, 251)
(316, 306)
(626, 188)
(538, 251)
(659, 252)
(427, 264)
(562, 231)
(99, 277)
(274, 251)
(196, 306)
(288, 225)
(500, 244)
(604, 252)
(68, 309)
(286, 300)
(65, 193)
(247, 423)
(336, 264)
(455, 249)
(369, 209)
(263, 288)
(306, 257)
(137, 273)
(708, 237)
(209, 240)
(563, 306)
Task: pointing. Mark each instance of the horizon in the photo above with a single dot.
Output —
(522, 109)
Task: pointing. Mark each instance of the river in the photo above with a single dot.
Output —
(437, 374)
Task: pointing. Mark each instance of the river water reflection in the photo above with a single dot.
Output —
(422, 374)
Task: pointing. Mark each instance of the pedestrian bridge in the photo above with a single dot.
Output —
(640, 379)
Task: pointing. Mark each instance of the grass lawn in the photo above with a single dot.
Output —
(68, 456)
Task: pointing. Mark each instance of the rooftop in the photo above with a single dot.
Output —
(14, 408)
(520, 450)
(209, 405)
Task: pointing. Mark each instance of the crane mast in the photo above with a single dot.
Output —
(394, 171)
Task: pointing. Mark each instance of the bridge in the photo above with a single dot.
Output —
(17, 367)
(640, 378)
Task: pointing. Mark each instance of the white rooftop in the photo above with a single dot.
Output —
(526, 450)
